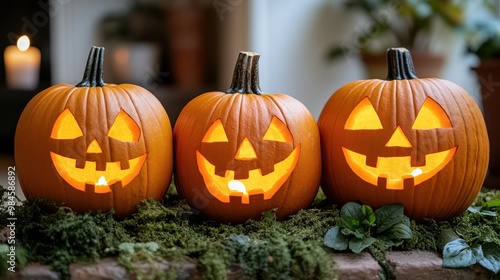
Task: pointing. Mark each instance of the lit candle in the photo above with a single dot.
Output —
(22, 65)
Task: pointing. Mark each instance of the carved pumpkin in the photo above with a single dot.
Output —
(419, 142)
(241, 152)
(94, 146)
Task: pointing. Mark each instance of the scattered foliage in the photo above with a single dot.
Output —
(360, 227)
(479, 242)
(169, 231)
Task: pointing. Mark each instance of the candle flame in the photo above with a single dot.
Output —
(23, 43)
(102, 181)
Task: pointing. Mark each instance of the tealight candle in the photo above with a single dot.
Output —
(22, 65)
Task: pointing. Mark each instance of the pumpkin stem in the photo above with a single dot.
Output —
(246, 74)
(92, 77)
(400, 64)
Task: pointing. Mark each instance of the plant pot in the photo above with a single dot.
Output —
(488, 75)
(427, 65)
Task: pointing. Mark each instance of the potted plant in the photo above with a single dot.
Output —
(484, 41)
(412, 24)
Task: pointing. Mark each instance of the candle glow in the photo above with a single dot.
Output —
(23, 43)
(22, 65)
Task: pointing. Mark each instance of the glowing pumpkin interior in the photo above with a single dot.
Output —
(395, 170)
(224, 187)
(124, 129)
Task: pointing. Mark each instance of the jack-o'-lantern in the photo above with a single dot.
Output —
(419, 142)
(242, 152)
(94, 146)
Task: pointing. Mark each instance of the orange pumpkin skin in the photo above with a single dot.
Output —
(246, 119)
(357, 153)
(92, 150)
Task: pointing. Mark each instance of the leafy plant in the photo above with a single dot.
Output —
(486, 209)
(405, 23)
(457, 253)
(483, 32)
(360, 227)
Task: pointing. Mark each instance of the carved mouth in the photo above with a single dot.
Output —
(79, 177)
(223, 187)
(395, 170)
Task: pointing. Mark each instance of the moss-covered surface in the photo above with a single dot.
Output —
(170, 231)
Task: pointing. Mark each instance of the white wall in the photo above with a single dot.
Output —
(73, 32)
(293, 37)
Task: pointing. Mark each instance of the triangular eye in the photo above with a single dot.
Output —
(124, 128)
(66, 127)
(278, 131)
(363, 117)
(215, 133)
(431, 115)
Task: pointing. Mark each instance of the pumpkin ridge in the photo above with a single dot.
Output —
(418, 85)
(70, 94)
(277, 104)
(130, 95)
(464, 195)
(461, 177)
(470, 116)
(105, 93)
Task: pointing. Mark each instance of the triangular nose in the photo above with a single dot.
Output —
(94, 147)
(246, 151)
(398, 139)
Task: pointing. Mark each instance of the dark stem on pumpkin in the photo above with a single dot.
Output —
(400, 65)
(246, 74)
(92, 77)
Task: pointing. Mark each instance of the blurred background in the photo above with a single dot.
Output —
(179, 49)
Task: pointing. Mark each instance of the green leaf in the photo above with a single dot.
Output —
(352, 209)
(474, 209)
(386, 241)
(358, 232)
(335, 239)
(349, 222)
(477, 251)
(388, 216)
(445, 236)
(491, 259)
(488, 213)
(458, 253)
(482, 210)
(369, 215)
(336, 52)
(492, 203)
(399, 232)
(357, 245)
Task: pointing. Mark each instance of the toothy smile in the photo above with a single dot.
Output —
(101, 179)
(223, 187)
(395, 170)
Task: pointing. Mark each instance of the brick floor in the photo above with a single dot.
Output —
(413, 265)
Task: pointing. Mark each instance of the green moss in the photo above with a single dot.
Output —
(133, 254)
(21, 259)
(62, 237)
(267, 248)
(378, 252)
(170, 231)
